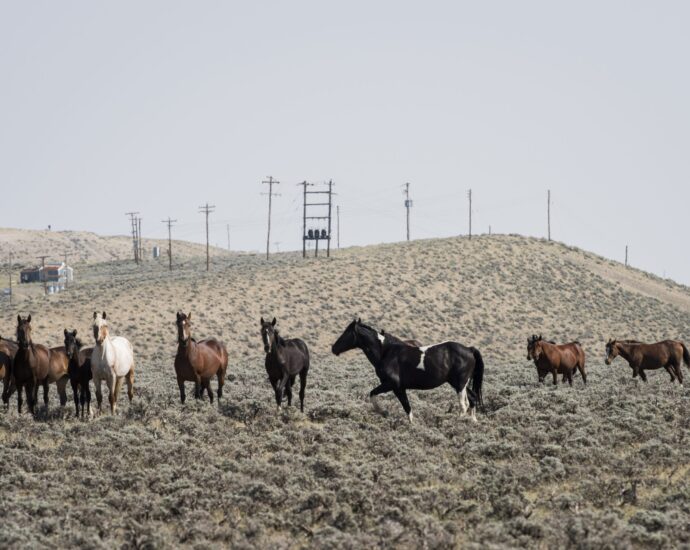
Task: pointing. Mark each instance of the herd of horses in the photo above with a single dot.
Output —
(400, 365)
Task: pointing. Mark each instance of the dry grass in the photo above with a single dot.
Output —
(544, 467)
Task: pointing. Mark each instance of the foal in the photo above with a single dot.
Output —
(198, 361)
(285, 359)
(79, 371)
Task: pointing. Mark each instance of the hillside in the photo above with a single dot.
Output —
(546, 466)
(82, 246)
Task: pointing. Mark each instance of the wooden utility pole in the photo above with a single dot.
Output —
(304, 184)
(170, 223)
(228, 227)
(135, 246)
(330, 217)
(66, 272)
(548, 213)
(626, 255)
(337, 215)
(408, 205)
(43, 271)
(141, 245)
(10, 270)
(207, 209)
(270, 194)
(469, 196)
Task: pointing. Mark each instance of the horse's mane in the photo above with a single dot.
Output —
(8, 340)
(279, 339)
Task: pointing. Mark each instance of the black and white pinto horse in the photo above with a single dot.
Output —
(401, 366)
(285, 359)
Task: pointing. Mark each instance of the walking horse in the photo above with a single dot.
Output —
(669, 354)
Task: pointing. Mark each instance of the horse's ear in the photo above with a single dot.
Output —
(359, 320)
(95, 315)
(274, 321)
(74, 332)
(66, 332)
(178, 315)
(189, 316)
(104, 315)
(262, 321)
(19, 319)
(29, 318)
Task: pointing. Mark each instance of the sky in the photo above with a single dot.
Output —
(163, 106)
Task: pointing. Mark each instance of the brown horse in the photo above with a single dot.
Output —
(669, 354)
(556, 359)
(8, 349)
(36, 365)
(198, 361)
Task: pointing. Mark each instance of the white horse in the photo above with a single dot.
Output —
(112, 360)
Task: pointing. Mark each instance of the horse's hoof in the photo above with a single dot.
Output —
(410, 417)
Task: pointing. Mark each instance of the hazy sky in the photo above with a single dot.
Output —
(160, 106)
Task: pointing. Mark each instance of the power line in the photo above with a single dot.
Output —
(207, 209)
(170, 223)
(270, 194)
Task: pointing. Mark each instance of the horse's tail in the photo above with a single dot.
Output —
(686, 355)
(478, 376)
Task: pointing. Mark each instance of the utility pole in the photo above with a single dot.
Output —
(141, 245)
(207, 209)
(43, 271)
(10, 270)
(304, 184)
(408, 205)
(330, 212)
(66, 272)
(170, 224)
(337, 214)
(548, 213)
(626, 255)
(133, 221)
(469, 196)
(270, 194)
(276, 244)
(228, 227)
(489, 231)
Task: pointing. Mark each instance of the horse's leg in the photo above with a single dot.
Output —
(180, 384)
(31, 391)
(45, 393)
(555, 376)
(99, 394)
(288, 389)
(87, 391)
(62, 390)
(207, 385)
(385, 387)
(302, 387)
(669, 369)
(130, 384)
(113, 391)
(20, 388)
(401, 394)
(643, 375)
(197, 386)
(221, 382)
(76, 395)
(583, 373)
(280, 389)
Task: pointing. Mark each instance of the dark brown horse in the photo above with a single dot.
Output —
(199, 361)
(79, 370)
(35, 365)
(556, 359)
(8, 349)
(285, 359)
(669, 354)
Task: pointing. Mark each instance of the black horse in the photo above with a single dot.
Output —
(397, 366)
(79, 371)
(285, 359)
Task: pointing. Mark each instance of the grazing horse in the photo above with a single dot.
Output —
(79, 370)
(669, 354)
(199, 361)
(401, 366)
(550, 357)
(285, 359)
(36, 365)
(112, 360)
(8, 349)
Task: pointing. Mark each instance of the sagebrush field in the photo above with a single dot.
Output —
(607, 464)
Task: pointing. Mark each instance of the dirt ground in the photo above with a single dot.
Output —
(601, 465)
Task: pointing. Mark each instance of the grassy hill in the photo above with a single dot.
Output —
(545, 466)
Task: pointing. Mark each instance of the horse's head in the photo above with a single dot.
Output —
(534, 344)
(349, 339)
(72, 343)
(184, 327)
(611, 351)
(268, 333)
(24, 331)
(100, 327)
